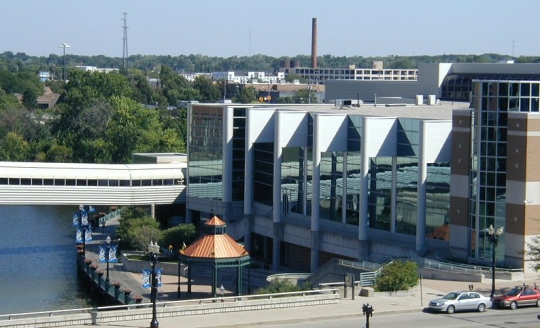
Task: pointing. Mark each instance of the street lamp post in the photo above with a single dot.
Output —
(108, 240)
(222, 291)
(153, 259)
(494, 240)
(64, 46)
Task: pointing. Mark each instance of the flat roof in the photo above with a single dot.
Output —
(442, 111)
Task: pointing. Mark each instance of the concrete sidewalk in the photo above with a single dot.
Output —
(414, 300)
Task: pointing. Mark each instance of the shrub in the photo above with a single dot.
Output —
(281, 285)
(397, 275)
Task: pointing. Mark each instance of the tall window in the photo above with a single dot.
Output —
(263, 173)
(206, 153)
(492, 100)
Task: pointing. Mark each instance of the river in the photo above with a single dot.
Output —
(38, 269)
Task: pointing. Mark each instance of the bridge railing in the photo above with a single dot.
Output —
(117, 313)
(111, 215)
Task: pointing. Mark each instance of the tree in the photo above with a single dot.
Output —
(397, 275)
(137, 233)
(59, 154)
(533, 253)
(208, 90)
(246, 95)
(101, 122)
(304, 96)
(14, 148)
(178, 236)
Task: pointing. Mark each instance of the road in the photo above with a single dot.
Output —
(498, 318)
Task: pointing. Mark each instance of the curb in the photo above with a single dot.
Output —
(318, 318)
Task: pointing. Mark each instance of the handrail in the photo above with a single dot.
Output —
(456, 267)
(167, 304)
(110, 216)
(366, 279)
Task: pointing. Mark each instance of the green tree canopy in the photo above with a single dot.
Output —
(304, 96)
(178, 236)
(208, 90)
(246, 95)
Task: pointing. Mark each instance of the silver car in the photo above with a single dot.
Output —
(461, 301)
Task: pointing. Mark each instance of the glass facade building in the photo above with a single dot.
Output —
(346, 174)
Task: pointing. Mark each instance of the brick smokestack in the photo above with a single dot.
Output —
(314, 43)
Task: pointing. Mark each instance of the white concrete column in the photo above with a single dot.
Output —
(315, 194)
(248, 167)
(421, 191)
(276, 199)
(393, 195)
(344, 190)
(364, 178)
(226, 178)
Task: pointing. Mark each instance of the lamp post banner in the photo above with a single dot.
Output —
(147, 273)
(84, 218)
(87, 234)
(78, 235)
(112, 254)
(75, 219)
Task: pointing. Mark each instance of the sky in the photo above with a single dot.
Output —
(228, 28)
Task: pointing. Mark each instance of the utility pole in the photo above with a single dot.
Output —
(125, 46)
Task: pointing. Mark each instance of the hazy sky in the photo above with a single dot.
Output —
(226, 28)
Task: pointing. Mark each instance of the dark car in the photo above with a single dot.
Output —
(518, 296)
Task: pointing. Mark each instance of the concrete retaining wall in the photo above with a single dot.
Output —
(178, 308)
(449, 275)
(137, 266)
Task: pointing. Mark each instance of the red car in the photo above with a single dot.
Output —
(518, 296)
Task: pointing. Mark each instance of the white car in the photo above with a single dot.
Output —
(461, 301)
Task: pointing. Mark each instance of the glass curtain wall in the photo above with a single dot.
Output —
(239, 150)
(437, 199)
(331, 186)
(407, 176)
(353, 188)
(380, 193)
(263, 172)
(293, 188)
(206, 153)
(492, 101)
(354, 133)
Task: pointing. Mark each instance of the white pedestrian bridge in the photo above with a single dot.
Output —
(34, 183)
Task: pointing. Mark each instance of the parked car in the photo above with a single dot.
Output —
(460, 300)
(518, 296)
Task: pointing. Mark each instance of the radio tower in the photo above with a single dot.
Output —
(125, 50)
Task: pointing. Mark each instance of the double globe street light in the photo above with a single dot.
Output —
(494, 240)
(153, 260)
(107, 254)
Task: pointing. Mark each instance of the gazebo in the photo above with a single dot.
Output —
(217, 249)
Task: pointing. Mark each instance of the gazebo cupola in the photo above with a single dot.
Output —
(215, 226)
